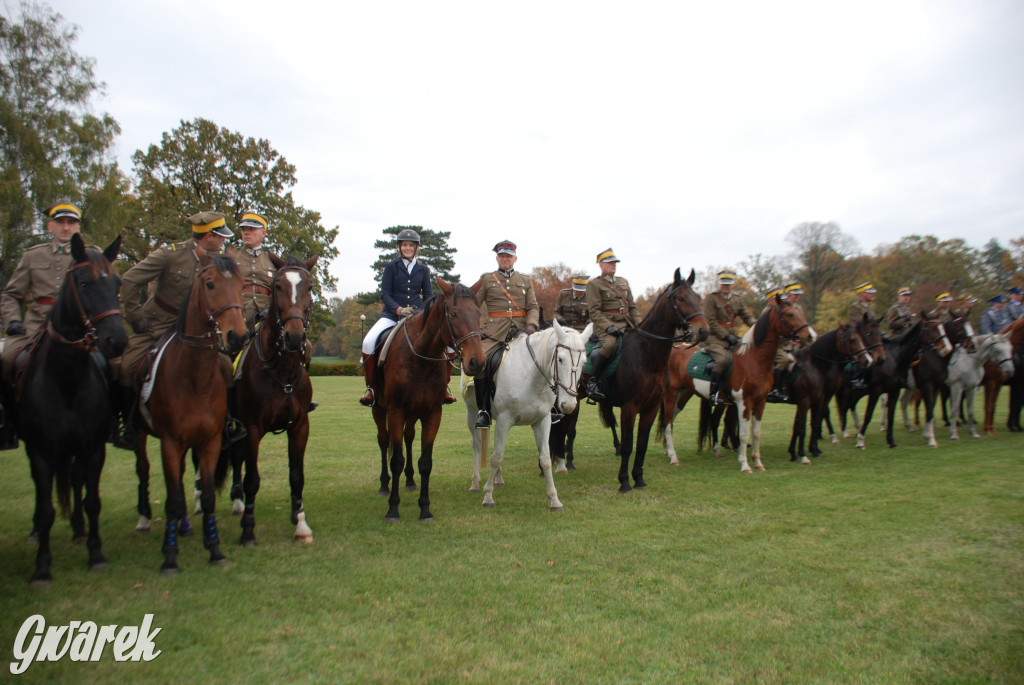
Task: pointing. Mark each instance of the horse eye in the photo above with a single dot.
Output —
(209, 285)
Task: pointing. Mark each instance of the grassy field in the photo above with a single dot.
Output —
(879, 566)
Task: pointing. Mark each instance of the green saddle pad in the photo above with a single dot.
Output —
(701, 364)
(612, 365)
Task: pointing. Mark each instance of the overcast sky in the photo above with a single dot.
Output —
(679, 133)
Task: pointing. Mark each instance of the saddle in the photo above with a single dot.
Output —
(384, 341)
(613, 363)
(23, 362)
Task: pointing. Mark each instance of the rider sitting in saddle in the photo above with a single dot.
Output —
(612, 312)
(783, 358)
(901, 316)
(943, 312)
(864, 304)
(721, 309)
(508, 307)
(39, 273)
(404, 287)
(173, 268)
(996, 317)
(571, 304)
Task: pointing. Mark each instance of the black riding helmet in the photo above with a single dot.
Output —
(408, 234)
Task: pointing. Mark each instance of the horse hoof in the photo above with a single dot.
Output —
(78, 539)
(476, 489)
(410, 488)
(569, 466)
(383, 493)
(747, 470)
(805, 460)
(41, 581)
(760, 468)
(169, 572)
(248, 542)
(893, 446)
(99, 566)
(625, 488)
(33, 538)
(429, 517)
(558, 508)
(237, 507)
(390, 519)
(640, 486)
(305, 539)
(561, 470)
(489, 505)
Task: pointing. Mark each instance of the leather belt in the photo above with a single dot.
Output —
(257, 289)
(46, 300)
(620, 310)
(727, 325)
(505, 315)
(164, 306)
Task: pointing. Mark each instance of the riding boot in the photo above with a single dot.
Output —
(128, 404)
(714, 396)
(368, 398)
(776, 394)
(482, 388)
(233, 428)
(857, 381)
(556, 415)
(598, 362)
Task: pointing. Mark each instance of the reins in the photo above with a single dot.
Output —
(211, 340)
(684, 323)
(555, 382)
(88, 340)
(456, 343)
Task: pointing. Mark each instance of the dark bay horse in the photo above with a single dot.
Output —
(274, 391)
(835, 380)
(994, 379)
(63, 410)
(638, 384)
(187, 402)
(413, 380)
(749, 381)
(829, 353)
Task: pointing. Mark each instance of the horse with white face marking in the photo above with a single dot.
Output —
(538, 371)
(966, 370)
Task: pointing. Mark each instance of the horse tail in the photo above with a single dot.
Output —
(220, 473)
(62, 476)
(607, 414)
(704, 427)
(659, 433)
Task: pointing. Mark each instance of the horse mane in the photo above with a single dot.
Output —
(292, 260)
(761, 326)
(650, 312)
(98, 264)
(458, 290)
(825, 340)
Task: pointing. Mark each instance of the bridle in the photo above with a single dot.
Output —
(681, 318)
(453, 341)
(211, 340)
(555, 381)
(88, 340)
(844, 340)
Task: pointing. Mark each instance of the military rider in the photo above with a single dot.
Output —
(571, 304)
(721, 310)
(35, 282)
(1016, 303)
(508, 307)
(901, 316)
(613, 312)
(943, 308)
(996, 317)
(172, 268)
(783, 359)
(864, 304)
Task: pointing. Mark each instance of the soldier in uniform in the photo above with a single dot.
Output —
(613, 312)
(36, 281)
(571, 305)
(172, 268)
(508, 307)
(864, 304)
(900, 316)
(963, 307)
(943, 308)
(783, 360)
(996, 317)
(721, 310)
(1015, 306)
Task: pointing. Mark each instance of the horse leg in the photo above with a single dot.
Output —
(247, 450)
(541, 430)
(430, 426)
(396, 428)
(954, 410)
(298, 437)
(971, 394)
(905, 397)
(891, 408)
(409, 435)
(616, 443)
(173, 454)
(42, 520)
(208, 456)
(755, 434)
(477, 436)
(741, 453)
(380, 417)
(77, 515)
(143, 508)
(570, 437)
(626, 416)
(501, 429)
(197, 491)
(928, 395)
(643, 436)
(237, 488)
(868, 411)
(93, 467)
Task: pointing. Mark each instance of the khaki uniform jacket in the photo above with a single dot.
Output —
(172, 268)
(38, 275)
(258, 277)
(572, 310)
(721, 323)
(498, 313)
(899, 318)
(858, 309)
(608, 309)
(943, 315)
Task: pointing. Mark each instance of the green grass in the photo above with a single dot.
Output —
(878, 566)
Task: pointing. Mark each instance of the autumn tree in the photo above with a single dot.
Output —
(819, 251)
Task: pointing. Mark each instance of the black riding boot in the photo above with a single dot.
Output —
(598, 362)
(714, 396)
(482, 388)
(127, 404)
(777, 394)
(233, 428)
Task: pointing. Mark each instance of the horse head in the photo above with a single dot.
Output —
(291, 302)
(997, 348)
(793, 324)
(569, 356)
(687, 307)
(219, 300)
(462, 317)
(960, 332)
(89, 313)
(871, 333)
(850, 344)
(933, 334)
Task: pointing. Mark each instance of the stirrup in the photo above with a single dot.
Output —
(449, 398)
(368, 399)
(233, 432)
(483, 419)
(556, 416)
(594, 392)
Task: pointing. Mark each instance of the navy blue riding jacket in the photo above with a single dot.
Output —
(399, 288)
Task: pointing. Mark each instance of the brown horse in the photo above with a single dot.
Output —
(274, 390)
(749, 382)
(187, 401)
(994, 379)
(413, 378)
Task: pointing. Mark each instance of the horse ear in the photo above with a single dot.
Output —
(77, 248)
(558, 328)
(275, 260)
(588, 331)
(677, 278)
(111, 252)
(692, 278)
(311, 262)
(444, 286)
(476, 286)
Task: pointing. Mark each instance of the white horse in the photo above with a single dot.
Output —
(966, 370)
(536, 371)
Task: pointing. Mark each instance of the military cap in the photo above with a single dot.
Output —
(63, 208)
(579, 282)
(795, 288)
(506, 247)
(252, 220)
(904, 291)
(726, 277)
(1015, 290)
(997, 299)
(772, 293)
(866, 287)
(943, 297)
(968, 299)
(210, 222)
(606, 256)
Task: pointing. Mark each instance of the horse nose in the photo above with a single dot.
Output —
(292, 341)
(473, 367)
(235, 342)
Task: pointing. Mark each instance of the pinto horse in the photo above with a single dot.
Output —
(537, 372)
(63, 410)
(413, 385)
(831, 351)
(749, 382)
(187, 403)
(638, 384)
(274, 392)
